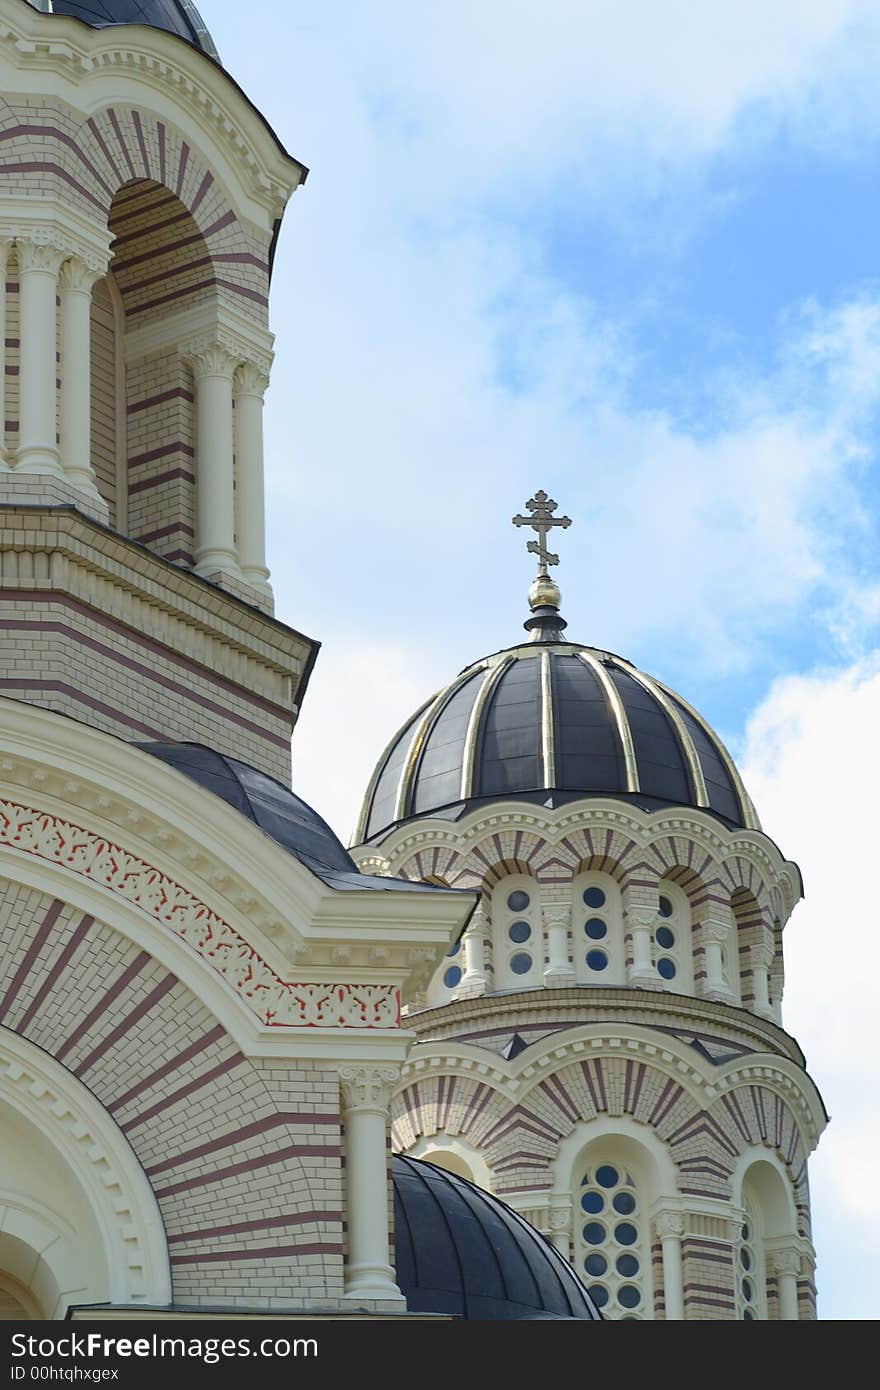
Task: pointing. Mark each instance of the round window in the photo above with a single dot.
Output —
(607, 1176)
(519, 932)
(627, 1266)
(666, 968)
(625, 1233)
(454, 950)
(665, 907)
(592, 1202)
(521, 963)
(452, 977)
(665, 938)
(625, 1203)
(597, 960)
(595, 928)
(518, 901)
(594, 1233)
(594, 897)
(629, 1296)
(599, 1294)
(595, 1264)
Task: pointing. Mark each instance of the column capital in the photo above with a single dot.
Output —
(250, 380)
(209, 358)
(556, 914)
(785, 1261)
(762, 953)
(41, 254)
(77, 274)
(559, 1212)
(669, 1223)
(641, 915)
(367, 1088)
(716, 930)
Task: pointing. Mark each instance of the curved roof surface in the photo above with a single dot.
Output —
(176, 16)
(282, 815)
(553, 717)
(461, 1251)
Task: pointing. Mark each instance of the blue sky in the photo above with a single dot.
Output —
(629, 253)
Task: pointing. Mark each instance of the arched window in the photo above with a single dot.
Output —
(750, 1274)
(611, 1245)
(597, 930)
(517, 935)
(447, 977)
(769, 1230)
(672, 946)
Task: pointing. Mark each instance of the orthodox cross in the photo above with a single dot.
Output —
(542, 519)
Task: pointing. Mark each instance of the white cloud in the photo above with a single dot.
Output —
(812, 764)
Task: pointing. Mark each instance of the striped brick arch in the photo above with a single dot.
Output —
(244, 1170)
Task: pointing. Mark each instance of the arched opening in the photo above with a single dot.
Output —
(517, 933)
(162, 270)
(597, 929)
(749, 933)
(614, 1186)
(672, 945)
(769, 1226)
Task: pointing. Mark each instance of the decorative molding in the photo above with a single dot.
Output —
(72, 1119)
(367, 1088)
(222, 351)
(250, 380)
(76, 275)
(43, 254)
(669, 1223)
(276, 1003)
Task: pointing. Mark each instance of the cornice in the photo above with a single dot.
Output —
(163, 63)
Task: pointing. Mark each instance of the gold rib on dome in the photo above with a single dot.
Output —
(548, 733)
(749, 814)
(423, 728)
(695, 767)
(615, 704)
(469, 754)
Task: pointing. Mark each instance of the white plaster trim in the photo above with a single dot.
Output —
(104, 1164)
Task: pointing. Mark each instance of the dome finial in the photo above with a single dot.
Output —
(546, 623)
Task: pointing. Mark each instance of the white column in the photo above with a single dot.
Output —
(786, 1265)
(559, 969)
(250, 501)
(640, 920)
(670, 1229)
(762, 959)
(560, 1223)
(39, 264)
(213, 369)
(474, 980)
(366, 1098)
(5, 245)
(715, 933)
(75, 281)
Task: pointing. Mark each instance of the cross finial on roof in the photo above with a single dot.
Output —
(542, 520)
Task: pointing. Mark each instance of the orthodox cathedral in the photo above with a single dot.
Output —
(516, 1054)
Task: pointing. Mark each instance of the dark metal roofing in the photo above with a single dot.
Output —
(282, 815)
(458, 1250)
(559, 718)
(175, 16)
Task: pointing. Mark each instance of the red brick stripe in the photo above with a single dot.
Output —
(113, 624)
(46, 166)
(174, 295)
(202, 190)
(93, 127)
(122, 145)
(176, 526)
(31, 954)
(251, 1165)
(168, 477)
(176, 393)
(212, 1036)
(128, 1022)
(149, 673)
(122, 982)
(239, 1136)
(302, 1218)
(196, 1084)
(48, 132)
(177, 446)
(61, 688)
(269, 1252)
(57, 969)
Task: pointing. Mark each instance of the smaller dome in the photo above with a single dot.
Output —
(174, 16)
(461, 1251)
(285, 817)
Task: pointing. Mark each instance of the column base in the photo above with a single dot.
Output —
(374, 1282)
(556, 977)
(718, 995)
(471, 989)
(644, 979)
(39, 460)
(210, 563)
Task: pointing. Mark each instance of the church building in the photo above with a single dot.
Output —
(548, 976)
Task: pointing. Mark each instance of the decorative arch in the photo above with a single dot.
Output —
(50, 1257)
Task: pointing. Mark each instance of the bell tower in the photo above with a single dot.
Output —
(141, 199)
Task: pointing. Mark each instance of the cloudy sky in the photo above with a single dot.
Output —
(627, 251)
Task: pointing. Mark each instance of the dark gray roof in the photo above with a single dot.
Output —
(285, 817)
(555, 718)
(459, 1250)
(176, 16)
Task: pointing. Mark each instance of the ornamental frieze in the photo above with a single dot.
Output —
(277, 1003)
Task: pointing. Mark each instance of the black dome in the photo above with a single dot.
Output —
(459, 1250)
(176, 16)
(553, 718)
(285, 817)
